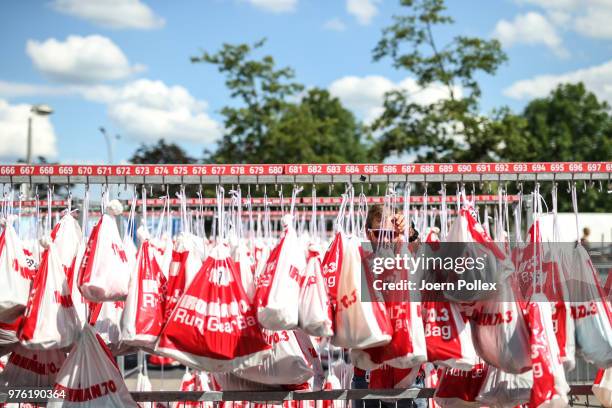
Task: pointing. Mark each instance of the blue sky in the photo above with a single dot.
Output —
(124, 64)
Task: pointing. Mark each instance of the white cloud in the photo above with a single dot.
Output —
(80, 59)
(111, 13)
(597, 79)
(595, 22)
(532, 29)
(275, 6)
(144, 110)
(590, 18)
(363, 10)
(365, 95)
(335, 24)
(14, 134)
(17, 89)
(147, 110)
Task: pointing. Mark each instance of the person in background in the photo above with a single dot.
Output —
(585, 238)
(392, 230)
(394, 227)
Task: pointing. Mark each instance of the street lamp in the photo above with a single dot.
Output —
(42, 110)
(109, 143)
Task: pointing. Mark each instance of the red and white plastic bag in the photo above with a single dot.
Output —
(90, 377)
(448, 336)
(407, 347)
(214, 326)
(246, 265)
(386, 377)
(104, 273)
(331, 382)
(460, 388)
(50, 320)
(31, 368)
(602, 387)
(292, 360)
(15, 275)
(500, 333)
(504, 390)
(544, 266)
(550, 387)
(186, 263)
(143, 384)
(591, 312)
(108, 326)
(194, 381)
(477, 244)
(314, 312)
(67, 236)
(278, 287)
(357, 324)
(143, 315)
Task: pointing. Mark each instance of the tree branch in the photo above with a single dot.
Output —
(437, 54)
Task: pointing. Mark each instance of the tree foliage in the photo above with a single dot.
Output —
(275, 121)
(161, 153)
(570, 124)
(450, 129)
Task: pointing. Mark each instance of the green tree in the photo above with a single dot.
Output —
(161, 153)
(570, 124)
(274, 122)
(318, 129)
(451, 129)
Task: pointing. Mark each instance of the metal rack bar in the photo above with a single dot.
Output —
(303, 173)
(274, 201)
(346, 395)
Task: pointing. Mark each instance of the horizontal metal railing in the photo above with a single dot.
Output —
(277, 396)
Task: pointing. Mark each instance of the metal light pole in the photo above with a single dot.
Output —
(42, 110)
(109, 143)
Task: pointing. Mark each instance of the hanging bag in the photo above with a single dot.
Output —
(15, 275)
(291, 360)
(31, 368)
(467, 239)
(591, 312)
(448, 335)
(500, 333)
(550, 387)
(90, 377)
(278, 286)
(314, 317)
(143, 316)
(213, 327)
(50, 319)
(602, 387)
(504, 390)
(459, 388)
(407, 347)
(358, 324)
(104, 273)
